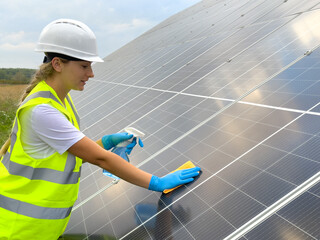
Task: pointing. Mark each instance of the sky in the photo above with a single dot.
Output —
(114, 22)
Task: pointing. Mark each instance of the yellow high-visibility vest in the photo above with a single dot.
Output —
(37, 195)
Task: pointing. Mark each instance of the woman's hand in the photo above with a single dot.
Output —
(110, 141)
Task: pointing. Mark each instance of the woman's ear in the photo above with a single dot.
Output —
(57, 64)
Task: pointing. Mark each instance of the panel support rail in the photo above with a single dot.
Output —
(274, 207)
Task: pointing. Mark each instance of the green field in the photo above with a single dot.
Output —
(9, 99)
(13, 82)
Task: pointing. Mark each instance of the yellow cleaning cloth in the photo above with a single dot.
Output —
(186, 165)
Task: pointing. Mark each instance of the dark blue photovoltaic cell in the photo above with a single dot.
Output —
(277, 228)
(287, 140)
(237, 208)
(309, 149)
(315, 190)
(266, 188)
(304, 213)
(244, 172)
(294, 88)
(202, 226)
(232, 86)
(295, 169)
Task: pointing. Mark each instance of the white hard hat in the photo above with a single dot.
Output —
(69, 37)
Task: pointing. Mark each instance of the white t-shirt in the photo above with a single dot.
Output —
(45, 130)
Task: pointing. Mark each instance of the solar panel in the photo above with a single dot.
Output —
(232, 86)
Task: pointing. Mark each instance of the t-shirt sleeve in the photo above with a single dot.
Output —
(53, 128)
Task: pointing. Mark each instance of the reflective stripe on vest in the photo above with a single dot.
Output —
(48, 94)
(33, 211)
(65, 177)
(73, 109)
(43, 94)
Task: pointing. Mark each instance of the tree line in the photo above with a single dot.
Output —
(16, 75)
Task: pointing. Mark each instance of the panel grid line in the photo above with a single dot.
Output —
(292, 195)
(239, 53)
(196, 127)
(240, 98)
(275, 207)
(219, 99)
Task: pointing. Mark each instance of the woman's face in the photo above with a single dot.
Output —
(75, 74)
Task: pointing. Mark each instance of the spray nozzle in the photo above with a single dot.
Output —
(135, 132)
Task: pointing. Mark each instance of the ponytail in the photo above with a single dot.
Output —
(45, 71)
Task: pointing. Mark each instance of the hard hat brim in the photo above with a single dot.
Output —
(84, 58)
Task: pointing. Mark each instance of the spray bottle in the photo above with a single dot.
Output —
(120, 149)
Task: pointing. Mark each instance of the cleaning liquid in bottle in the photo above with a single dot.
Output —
(120, 149)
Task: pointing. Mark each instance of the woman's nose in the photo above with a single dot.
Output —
(90, 73)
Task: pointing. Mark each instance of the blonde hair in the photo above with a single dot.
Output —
(45, 71)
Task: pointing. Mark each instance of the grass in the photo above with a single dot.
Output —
(9, 99)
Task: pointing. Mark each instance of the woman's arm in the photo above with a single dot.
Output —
(92, 152)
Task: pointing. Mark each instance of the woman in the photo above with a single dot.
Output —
(41, 161)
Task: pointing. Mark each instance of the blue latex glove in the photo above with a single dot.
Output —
(125, 151)
(110, 141)
(133, 144)
(173, 179)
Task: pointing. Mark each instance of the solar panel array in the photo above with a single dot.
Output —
(233, 86)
